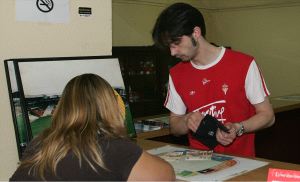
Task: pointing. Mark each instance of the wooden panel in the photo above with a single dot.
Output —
(145, 70)
(281, 141)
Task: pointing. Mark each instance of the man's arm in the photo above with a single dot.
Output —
(181, 124)
(256, 92)
(263, 118)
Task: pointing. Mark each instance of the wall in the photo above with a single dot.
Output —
(81, 36)
(271, 34)
(267, 29)
(133, 21)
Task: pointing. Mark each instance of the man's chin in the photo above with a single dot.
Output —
(185, 60)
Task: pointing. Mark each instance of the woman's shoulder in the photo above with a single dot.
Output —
(118, 144)
(120, 155)
(120, 150)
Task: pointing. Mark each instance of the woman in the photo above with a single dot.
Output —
(87, 141)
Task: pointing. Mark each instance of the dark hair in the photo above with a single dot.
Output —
(175, 21)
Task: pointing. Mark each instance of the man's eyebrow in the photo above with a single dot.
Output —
(176, 40)
(166, 40)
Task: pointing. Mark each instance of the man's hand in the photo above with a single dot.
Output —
(193, 120)
(226, 138)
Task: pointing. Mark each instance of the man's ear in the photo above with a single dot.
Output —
(197, 32)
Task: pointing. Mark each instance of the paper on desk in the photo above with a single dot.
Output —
(221, 167)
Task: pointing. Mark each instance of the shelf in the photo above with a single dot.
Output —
(145, 71)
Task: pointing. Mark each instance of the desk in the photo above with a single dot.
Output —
(259, 174)
(275, 143)
(265, 147)
(281, 105)
(279, 142)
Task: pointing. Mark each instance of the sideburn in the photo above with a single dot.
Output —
(194, 42)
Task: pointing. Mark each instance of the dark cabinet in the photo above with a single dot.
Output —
(281, 141)
(145, 71)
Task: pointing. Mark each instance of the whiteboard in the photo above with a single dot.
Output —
(50, 77)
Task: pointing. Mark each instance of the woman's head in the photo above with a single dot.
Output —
(88, 107)
(88, 103)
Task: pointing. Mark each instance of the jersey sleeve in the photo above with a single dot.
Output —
(255, 86)
(173, 101)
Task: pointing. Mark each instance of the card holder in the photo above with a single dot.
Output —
(206, 132)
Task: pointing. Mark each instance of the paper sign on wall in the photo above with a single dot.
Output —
(51, 11)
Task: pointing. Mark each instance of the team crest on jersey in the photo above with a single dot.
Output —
(225, 88)
(193, 92)
(205, 81)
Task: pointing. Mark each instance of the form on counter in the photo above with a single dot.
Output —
(205, 165)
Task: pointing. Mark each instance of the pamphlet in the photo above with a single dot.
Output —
(197, 165)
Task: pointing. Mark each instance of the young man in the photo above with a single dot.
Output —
(211, 80)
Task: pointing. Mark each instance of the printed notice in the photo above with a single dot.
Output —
(283, 175)
(49, 11)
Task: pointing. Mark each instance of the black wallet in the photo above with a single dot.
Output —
(206, 132)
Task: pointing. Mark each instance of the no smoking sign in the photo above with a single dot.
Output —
(45, 6)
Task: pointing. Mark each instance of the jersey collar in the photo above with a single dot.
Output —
(218, 59)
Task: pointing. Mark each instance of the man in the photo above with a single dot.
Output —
(211, 80)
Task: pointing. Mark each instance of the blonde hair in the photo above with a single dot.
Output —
(88, 107)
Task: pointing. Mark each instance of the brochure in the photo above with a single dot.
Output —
(197, 165)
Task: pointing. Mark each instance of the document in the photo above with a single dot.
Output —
(207, 167)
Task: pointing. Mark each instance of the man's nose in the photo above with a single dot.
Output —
(173, 51)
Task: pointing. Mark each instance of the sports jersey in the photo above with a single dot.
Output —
(226, 89)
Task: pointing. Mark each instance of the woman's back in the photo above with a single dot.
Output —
(72, 149)
(119, 155)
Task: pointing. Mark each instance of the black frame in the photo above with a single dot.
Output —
(14, 63)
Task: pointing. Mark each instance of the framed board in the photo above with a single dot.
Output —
(35, 86)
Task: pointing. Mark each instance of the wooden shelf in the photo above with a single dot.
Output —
(145, 71)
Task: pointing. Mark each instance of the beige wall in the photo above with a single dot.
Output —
(271, 34)
(81, 36)
(133, 20)
(268, 30)
(132, 23)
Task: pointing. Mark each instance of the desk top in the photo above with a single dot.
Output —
(281, 105)
(259, 174)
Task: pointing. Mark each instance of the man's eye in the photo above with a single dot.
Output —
(177, 42)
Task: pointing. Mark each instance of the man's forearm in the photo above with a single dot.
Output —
(178, 124)
(263, 118)
(258, 121)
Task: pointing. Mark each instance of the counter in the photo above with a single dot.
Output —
(274, 145)
(285, 103)
(259, 174)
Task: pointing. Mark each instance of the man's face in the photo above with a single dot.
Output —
(183, 48)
